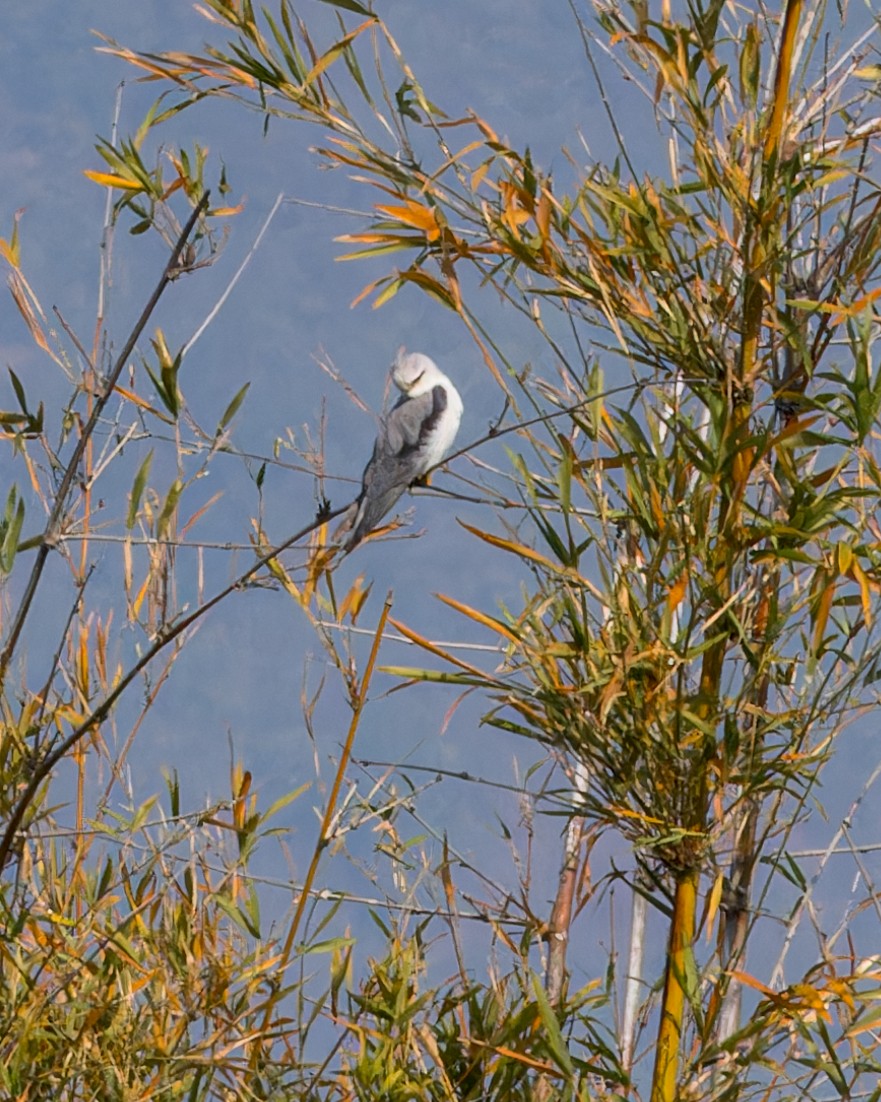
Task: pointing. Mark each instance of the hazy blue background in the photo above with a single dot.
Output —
(520, 64)
(241, 680)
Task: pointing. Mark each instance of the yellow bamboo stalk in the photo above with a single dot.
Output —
(682, 931)
(682, 934)
(791, 21)
(330, 809)
(358, 702)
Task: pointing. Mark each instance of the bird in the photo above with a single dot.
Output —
(413, 437)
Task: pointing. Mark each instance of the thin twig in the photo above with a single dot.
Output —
(109, 228)
(806, 896)
(218, 306)
(50, 533)
(44, 767)
(359, 700)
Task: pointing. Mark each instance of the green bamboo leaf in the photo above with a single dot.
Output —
(166, 381)
(12, 523)
(285, 42)
(494, 720)
(283, 801)
(242, 917)
(231, 410)
(395, 244)
(523, 473)
(691, 979)
(169, 508)
(330, 55)
(137, 490)
(19, 391)
(430, 285)
(593, 408)
(331, 945)
(350, 5)
(351, 61)
(35, 424)
(750, 62)
(103, 885)
(832, 1067)
(390, 291)
(251, 909)
(149, 121)
(412, 673)
(869, 1019)
(555, 1041)
(172, 783)
(171, 390)
(564, 474)
(553, 541)
(788, 867)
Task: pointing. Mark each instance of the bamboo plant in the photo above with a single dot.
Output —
(694, 479)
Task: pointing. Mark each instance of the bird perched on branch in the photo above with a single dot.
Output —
(413, 437)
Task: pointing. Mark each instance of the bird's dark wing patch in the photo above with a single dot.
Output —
(412, 420)
(396, 462)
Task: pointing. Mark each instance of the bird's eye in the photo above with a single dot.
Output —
(416, 380)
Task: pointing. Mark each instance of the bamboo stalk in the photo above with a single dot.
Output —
(682, 932)
(561, 915)
(633, 983)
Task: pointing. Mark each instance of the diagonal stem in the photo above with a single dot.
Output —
(324, 833)
(50, 534)
(45, 766)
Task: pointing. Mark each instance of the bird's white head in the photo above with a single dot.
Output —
(415, 374)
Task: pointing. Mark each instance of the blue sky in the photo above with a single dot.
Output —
(240, 679)
(518, 63)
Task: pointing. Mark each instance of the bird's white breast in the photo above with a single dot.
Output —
(441, 440)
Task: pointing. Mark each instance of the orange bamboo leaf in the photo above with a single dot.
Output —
(543, 214)
(434, 649)
(862, 580)
(480, 618)
(713, 902)
(354, 600)
(11, 249)
(370, 287)
(823, 608)
(751, 981)
(519, 549)
(524, 552)
(478, 175)
(795, 426)
(335, 51)
(677, 591)
(142, 403)
(110, 179)
(225, 212)
(415, 214)
(139, 599)
(842, 313)
(17, 290)
(512, 1054)
(83, 662)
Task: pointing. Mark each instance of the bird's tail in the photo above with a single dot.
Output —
(346, 534)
